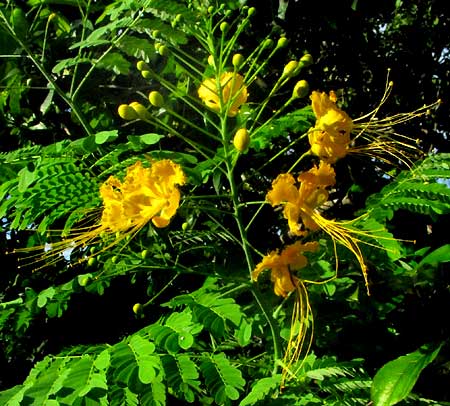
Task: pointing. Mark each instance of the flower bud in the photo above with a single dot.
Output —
(146, 74)
(301, 89)
(224, 27)
(251, 11)
(144, 254)
(140, 110)
(83, 280)
(156, 99)
(211, 61)
(238, 60)
(241, 139)
(306, 60)
(91, 261)
(210, 9)
(163, 50)
(138, 308)
(282, 42)
(52, 16)
(156, 33)
(141, 65)
(126, 112)
(290, 69)
(268, 43)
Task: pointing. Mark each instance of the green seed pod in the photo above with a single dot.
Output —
(141, 65)
(156, 99)
(146, 74)
(306, 60)
(241, 139)
(301, 89)
(282, 42)
(237, 60)
(140, 110)
(224, 27)
(290, 69)
(138, 309)
(163, 50)
(251, 11)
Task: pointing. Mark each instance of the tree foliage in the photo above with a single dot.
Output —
(176, 310)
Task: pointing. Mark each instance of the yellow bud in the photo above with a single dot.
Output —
(114, 259)
(140, 110)
(157, 46)
(210, 9)
(144, 254)
(282, 42)
(141, 65)
(306, 60)
(126, 112)
(156, 33)
(184, 226)
(52, 16)
(163, 50)
(156, 99)
(211, 61)
(178, 18)
(238, 60)
(241, 139)
(91, 261)
(138, 309)
(251, 11)
(289, 69)
(146, 74)
(224, 26)
(301, 89)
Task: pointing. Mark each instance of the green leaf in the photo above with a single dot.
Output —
(106, 136)
(114, 62)
(441, 254)
(261, 389)
(146, 139)
(395, 380)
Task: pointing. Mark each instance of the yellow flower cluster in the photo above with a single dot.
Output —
(227, 94)
(300, 202)
(330, 137)
(281, 264)
(145, 194)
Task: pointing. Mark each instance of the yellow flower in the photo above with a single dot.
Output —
(281, 265)
(299, 202)
(146, 194)
(227, 94)
(330, 137)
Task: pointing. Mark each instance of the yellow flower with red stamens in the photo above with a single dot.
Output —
(227, 94)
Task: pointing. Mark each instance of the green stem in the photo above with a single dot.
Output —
(246, 246)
